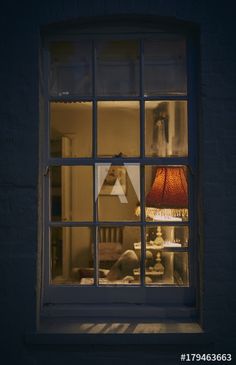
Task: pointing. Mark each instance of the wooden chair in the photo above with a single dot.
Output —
(110, 242)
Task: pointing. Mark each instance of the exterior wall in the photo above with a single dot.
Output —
(21, 22)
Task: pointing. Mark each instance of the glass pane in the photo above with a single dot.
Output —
(118, 191)
(166, 191)
(165, 237)
(117, 67)
(72, 193)
(72, 255)
(71, 129)
(166, 268)
(166, 129)
(70, 68)
(118, 129)
(165, 66)
(117, 257)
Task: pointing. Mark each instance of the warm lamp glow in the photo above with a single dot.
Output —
(169, 189)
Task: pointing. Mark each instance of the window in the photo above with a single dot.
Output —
(119, 197)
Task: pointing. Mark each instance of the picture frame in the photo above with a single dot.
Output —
(112, 180)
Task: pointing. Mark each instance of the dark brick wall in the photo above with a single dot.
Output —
(19, 117)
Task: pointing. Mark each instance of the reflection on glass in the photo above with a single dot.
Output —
(166, 268)
(166, 131)
(118, 129)
(117, 257)
(165, 66)
(71, 129)
(117, 67)
(72, 193)
(70, 68)
(166, 190)
(118, 189)
(71, 256)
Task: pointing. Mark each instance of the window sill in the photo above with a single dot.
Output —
(61, 331)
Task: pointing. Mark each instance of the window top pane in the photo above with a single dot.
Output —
(118, 67)
(165, 66)
(70, 68)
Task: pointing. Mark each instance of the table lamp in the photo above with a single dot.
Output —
(168, 197)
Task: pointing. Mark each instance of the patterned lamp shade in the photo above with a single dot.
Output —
(169, 189)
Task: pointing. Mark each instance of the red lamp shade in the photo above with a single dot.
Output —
(169, 189)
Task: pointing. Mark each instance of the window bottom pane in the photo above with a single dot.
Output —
(167, 268)
(117, 257)
(72, 256)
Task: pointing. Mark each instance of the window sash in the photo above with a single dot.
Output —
(53, 293)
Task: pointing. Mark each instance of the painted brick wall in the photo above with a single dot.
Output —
(19, 118)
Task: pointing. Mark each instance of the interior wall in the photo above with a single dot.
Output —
(73, 120)
(81, 247)
(118, 128)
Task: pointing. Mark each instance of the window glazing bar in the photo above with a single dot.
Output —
(94, 153)
(79, 98)
(142, 177)
(161, 161)
(143, 235)
(116, 223)
(46, 178)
